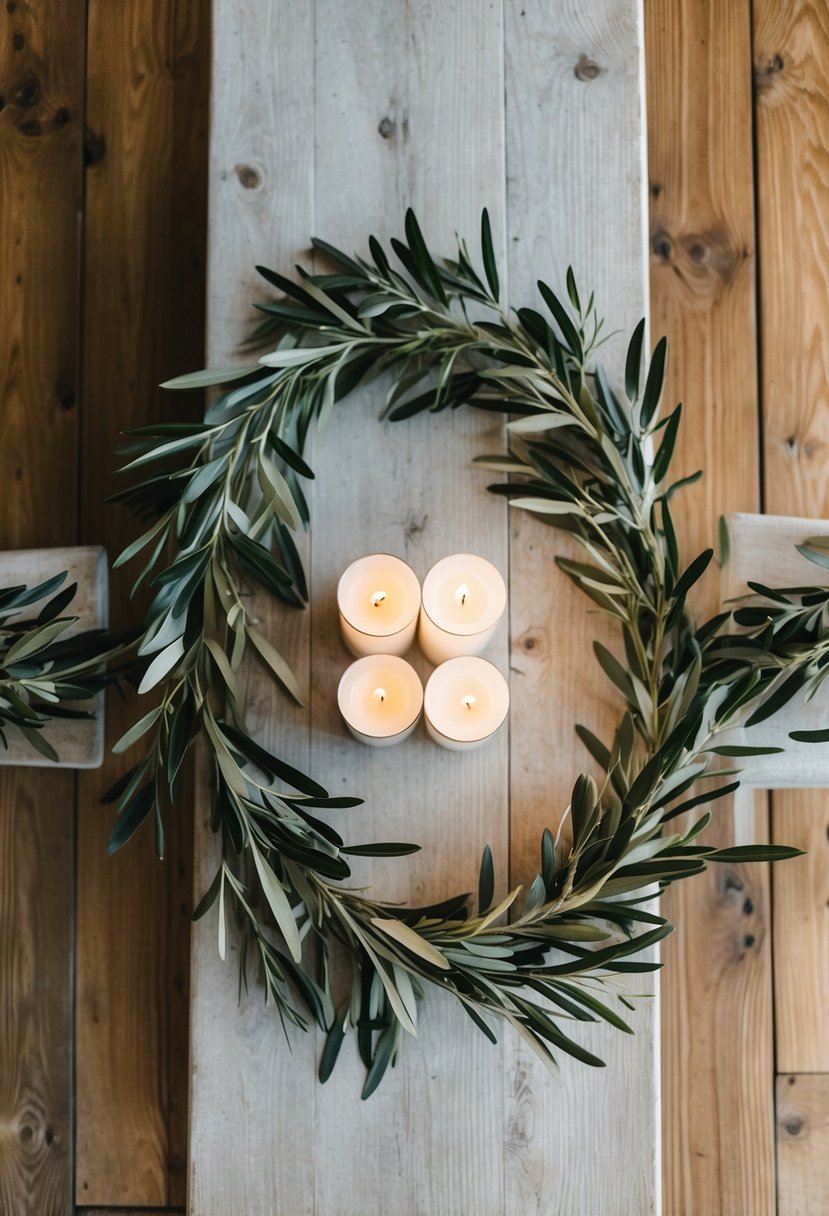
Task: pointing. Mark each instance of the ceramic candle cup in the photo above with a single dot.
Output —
(380, 698)
(464, 597)
(465, 702)
(378, 598)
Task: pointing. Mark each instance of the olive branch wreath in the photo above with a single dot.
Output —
(221, 499)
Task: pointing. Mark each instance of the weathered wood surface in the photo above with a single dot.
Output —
(143, 286)
(42, 86)
(78, 742)
(575, 131)
(406, 107)
(802, 1144)
(716, 984)
(791, 61)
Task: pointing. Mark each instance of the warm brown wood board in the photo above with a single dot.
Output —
(144, 230)
(792, 75)
(802, 1144)
(407, 107)
(42, 87)
(716, 984)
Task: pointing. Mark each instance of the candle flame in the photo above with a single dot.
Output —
(468, 701)
(461, 594)
(377, 598)
(380, 694)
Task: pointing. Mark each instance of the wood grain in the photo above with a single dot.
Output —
(41, 85)
(143, 251)
(244, 1075)
(575, 130)
(423, 87)
(802, 1145)
(718, 1133)
(792, 124)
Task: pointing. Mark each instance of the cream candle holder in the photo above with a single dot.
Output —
(466, 701)
(464, 597)
(380, 698)
(378, 597)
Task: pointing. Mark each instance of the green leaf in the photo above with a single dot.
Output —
(565, 325)
(692, 574)
(291, 458)
(162, 665)
(278, 903)
(137, 730)
(755, 852)
(209, 376)
(654, 382)
(490, 264)
(333, 1042)
(809, 736)
(813, 555)
(486, 882)
(633, 362)
(734, 749)
(36, 639)
(405, 936)
(273, 659)
(381, 849)
(724, 540)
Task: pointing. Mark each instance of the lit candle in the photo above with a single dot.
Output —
(466, 700)
(380, 697)
(379, 598)
(463, 599)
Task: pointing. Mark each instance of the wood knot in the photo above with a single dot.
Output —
(62, 116)
(28, 93)
(18, 39)
(31, 128)
(586, 69)
(248, 176)
(661, 245)
(10, 6)
(387, 127)
(656, 189)
(530, 642)
(94, 149)
(794, 1125)
(767, 71)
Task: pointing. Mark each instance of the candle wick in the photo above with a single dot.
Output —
(461, 594)
(378, 598)
(469, 701)
(380, 694)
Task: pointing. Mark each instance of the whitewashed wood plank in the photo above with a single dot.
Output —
(253, 1096)
(576, 194)
(410, 112)
(763, 549)
(78, 742)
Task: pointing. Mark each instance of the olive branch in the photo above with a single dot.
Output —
(221, 501)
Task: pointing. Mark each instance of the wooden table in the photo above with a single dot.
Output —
(330, 119)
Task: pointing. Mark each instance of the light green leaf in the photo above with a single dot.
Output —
(278, 904)
(138, 729)
(208, 377)
(162, 665)
(400, 932)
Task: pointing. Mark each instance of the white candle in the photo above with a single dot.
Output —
(379, 598)
(466, 700)
(463, 599)
(380, 697)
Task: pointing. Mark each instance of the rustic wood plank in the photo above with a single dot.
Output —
(575, 130)
(142, 273)
(802, 1144)
(423, 87)
(78, 742)
(243, 1074)
(41, 85)
(718, 1137)
(792, 124)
